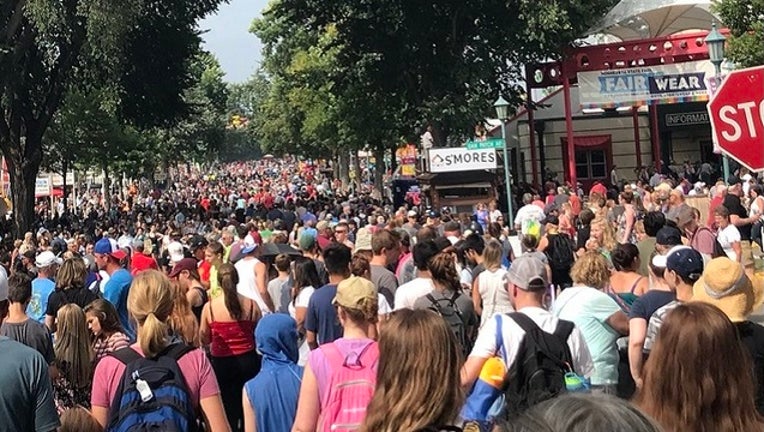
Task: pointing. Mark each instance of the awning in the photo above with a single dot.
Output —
(646, 19)
(588, 140)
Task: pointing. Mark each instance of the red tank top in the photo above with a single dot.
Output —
(232, 338)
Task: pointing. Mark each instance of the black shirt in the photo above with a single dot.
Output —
(79, 296)
(732, 203)
(645, 306)
(752, 336)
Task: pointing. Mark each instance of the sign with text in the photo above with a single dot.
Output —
(42, 187)
(461, 159)
(669, 83)
(491, 143)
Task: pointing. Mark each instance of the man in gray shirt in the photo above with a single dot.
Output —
(18, 325)
(386, 249)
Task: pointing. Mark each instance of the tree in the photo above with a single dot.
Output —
(745, 19)
(139, 49)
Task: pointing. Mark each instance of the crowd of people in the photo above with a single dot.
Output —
(259, 296)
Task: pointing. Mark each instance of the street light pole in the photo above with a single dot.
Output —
(715, 42)
(502, 108)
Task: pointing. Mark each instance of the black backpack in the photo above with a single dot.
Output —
(152, 394)
(454, 318)
(560, 252)
(538, 372)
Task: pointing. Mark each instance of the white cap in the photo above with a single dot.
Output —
(46, 259)
(175, 251)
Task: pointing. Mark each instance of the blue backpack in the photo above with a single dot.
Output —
(152, 394)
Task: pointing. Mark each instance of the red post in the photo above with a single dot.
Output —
(531, 133)
(571, 145)
(654, 137)
(637, 143)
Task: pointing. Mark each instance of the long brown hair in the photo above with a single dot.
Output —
(685, 388)
(419, 363)
(228, 278)
(443, 271)
(72, 274)
(74, 356)
(183, 323)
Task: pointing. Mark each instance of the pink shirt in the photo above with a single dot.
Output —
(195, 366)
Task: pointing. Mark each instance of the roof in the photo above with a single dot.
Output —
(647, 19)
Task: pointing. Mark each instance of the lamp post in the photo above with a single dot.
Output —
(502, 110)
(715, 42)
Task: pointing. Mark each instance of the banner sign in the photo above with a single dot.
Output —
(42, 187)
(669, 83)
(461, 159)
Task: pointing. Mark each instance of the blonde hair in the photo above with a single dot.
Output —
(78, 419)
(150, 303)
(608, 233)
(419, 363)
(72, 347)
(72, 274)
(182, 320)
(591, 270)
(492, 255)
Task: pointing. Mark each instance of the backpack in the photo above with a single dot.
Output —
(351, 387)
(718, 249)
(538, 372)
(454, 318)
(560, 252)
(152, 394)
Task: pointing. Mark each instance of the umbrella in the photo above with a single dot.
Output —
(273, 249)
(641, 19)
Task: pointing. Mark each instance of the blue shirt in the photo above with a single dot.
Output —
(321, 317)
(41, 289)
(115, 292)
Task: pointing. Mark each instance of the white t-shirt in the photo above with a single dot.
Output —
(302, 301)
(247, 286)
(526, 213)
(383, 307)
(493, 291)
(408, 293)
(726, 237)
(513, 334)
(494, 216)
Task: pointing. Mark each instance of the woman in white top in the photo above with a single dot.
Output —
(727, 234)
(491, 296)
(306, 281)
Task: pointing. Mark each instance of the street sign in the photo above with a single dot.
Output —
(492, 143)
(450, 159)
(737, 116)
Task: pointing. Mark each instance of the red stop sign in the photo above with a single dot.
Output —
(737, 116)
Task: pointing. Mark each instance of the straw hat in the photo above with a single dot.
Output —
(725, 285)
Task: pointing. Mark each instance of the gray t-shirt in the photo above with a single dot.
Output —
(385, 282)
(32, 334)
(279, 290)
(26, 402)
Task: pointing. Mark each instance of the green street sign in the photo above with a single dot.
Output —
(492, 143)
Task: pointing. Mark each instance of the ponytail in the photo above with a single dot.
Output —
(228, 278)
(150, 304)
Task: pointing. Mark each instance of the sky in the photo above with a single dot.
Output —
(229, 39)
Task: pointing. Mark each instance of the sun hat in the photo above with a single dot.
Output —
(725, 285)
(353, 291)
(528, 273)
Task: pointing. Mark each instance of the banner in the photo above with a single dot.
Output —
(450, 159)
(42, 187)
(670, 83)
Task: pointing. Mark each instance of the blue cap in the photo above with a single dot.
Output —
(686, 262)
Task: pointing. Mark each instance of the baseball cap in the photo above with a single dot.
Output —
(352, 292)
(733, 180)
(433, 214)
(686, 262)
(363, 240)
(307, 241)
(197, 242)
(184, 264)
(528, 273)
(661, 260)
(249, 245)
(175, 251)
(412, 213)
(668, 236)
(46, 259)
(107, 246)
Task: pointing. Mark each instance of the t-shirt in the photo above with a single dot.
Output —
(79, 296)
(280, 294)
(527, 215)
(646, 248)
(321, 317)
(645, 306)
(140, 262)
(589, 309)
(655, 323)
(32, 334)
(464, 303)
(115, 292)
(195, 366)
(385, 282)
(26, 402)
(752, 336)
(726, 237)
(485, 345)
(41, 289)
(732, 202)
(408, 293)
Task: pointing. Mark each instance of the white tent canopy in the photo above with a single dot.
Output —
(643, 19)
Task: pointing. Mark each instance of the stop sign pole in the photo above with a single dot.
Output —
(736, 112)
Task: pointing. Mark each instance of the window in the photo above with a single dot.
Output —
(591, 164)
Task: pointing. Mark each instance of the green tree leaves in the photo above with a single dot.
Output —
(745, 19)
